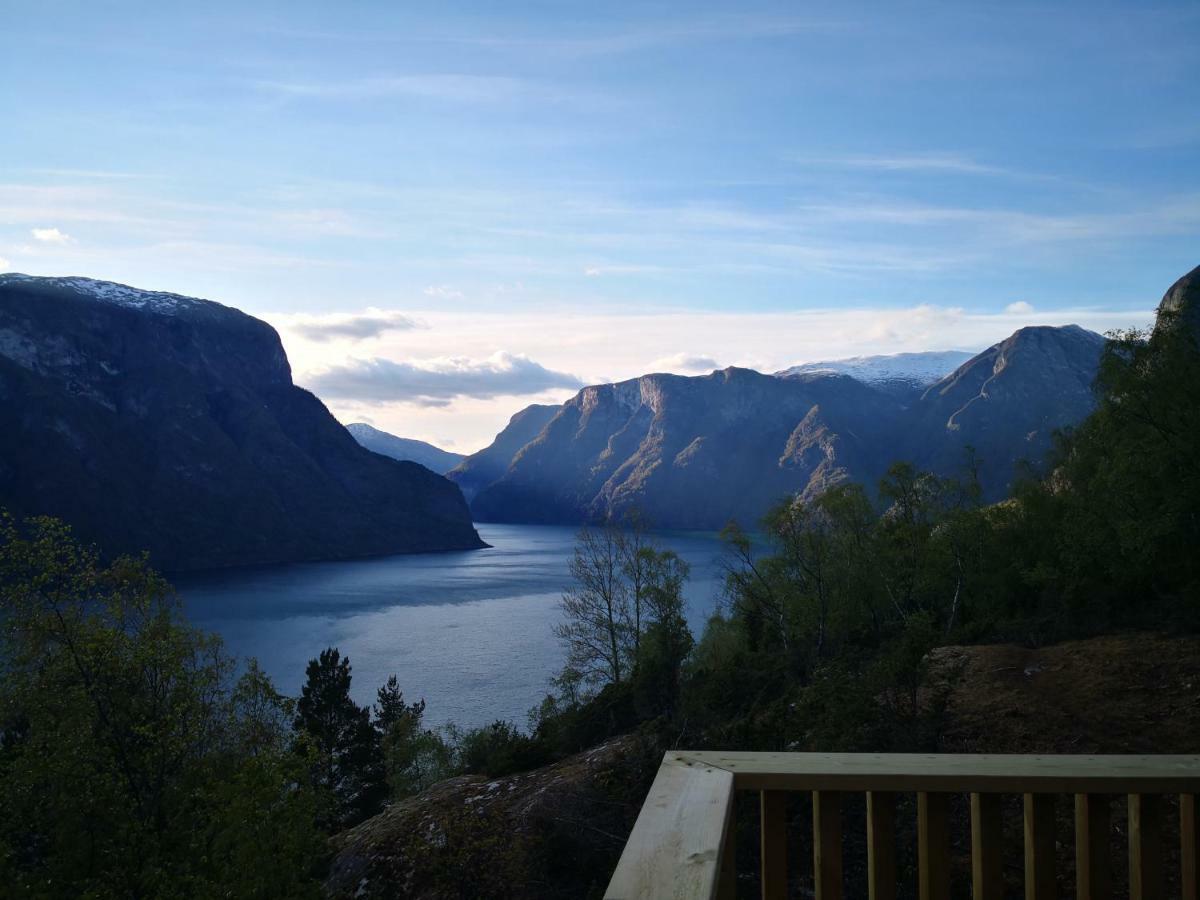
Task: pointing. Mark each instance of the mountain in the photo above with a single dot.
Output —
(1181, 303)
(153, 421)
(695, 452)
(897, 371)
(692, 452)
(480, 469)
(433, 458)
(1006, 403)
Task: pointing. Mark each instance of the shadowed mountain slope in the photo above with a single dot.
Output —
(152, 421)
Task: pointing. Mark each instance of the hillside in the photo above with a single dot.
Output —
(152, 421)
(404, 449)
(558, 831)
(695, 452)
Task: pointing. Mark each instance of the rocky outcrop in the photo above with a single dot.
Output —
(152, 421)
(553, 832)
(1181, 303)
(404, 449)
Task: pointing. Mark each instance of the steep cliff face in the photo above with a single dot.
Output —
(151, 421)
(695, 452)
(692, 452)
(1181, 303)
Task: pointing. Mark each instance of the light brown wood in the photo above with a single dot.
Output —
(933, 846)
(987, 846)
(827, 845)
(1145, 847)
(674, 850)
(1040, 880)
(773, 822)
(1189, 847)
(956, 773)
(881, 845)
(1093, 871)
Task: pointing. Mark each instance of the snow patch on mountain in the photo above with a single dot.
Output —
(917, 369)
(159, 302)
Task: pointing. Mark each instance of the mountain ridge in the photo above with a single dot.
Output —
(159, 422)
(405, 449)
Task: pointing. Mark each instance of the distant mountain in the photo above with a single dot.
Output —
(480, 469)
(153, 421)
(433, 458)
(914, 371)
(695, 452)
(692, 452)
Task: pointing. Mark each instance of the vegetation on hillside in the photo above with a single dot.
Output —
(135, 760)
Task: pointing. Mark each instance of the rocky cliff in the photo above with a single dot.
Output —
(695, 452)
(152, 421)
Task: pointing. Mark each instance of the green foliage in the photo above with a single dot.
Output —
(132, 764)
(347, 757)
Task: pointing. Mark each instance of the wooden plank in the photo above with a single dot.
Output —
(1093, 871)
(773, 825)
(933, 846)
(1145, 847)
(956, 773)
(987, 848)
(1040, 880)
(1189, 847)
(881, 845)
(827, 845)
(674, 850)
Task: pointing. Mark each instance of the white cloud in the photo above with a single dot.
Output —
(4, 263)
(50, 236)
(437, 382)
(354, 327)
(1019, 308)
(685, 362)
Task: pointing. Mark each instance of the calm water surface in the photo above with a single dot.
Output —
(469, 632)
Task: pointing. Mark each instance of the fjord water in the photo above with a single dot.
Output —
(471, 632)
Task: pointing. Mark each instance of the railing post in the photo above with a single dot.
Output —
(1189, 847)
(1145, 847)
(881, 845)
(933, 846)
(827, 844)
(987, 861)
(773, 822)
(1093, 873)
(1040, 881)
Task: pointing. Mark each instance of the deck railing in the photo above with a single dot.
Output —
(682, 845)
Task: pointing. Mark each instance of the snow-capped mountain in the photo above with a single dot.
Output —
(159, 302)
(915, 369)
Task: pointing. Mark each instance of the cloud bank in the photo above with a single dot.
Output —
(355, 327)
(437, 382)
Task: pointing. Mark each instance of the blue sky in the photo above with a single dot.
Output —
(565, 193)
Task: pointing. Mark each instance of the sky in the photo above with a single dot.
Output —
(453, 210)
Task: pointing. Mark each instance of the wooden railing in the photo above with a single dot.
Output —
(682, 845)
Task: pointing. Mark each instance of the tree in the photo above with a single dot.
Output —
(412, 755)
(595, 627)
(132, 763)
(348, 760)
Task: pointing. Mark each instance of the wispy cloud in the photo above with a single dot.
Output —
(1019, 308)
(937, 163)
(436, 382)
(355, 326)
(684, 362)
